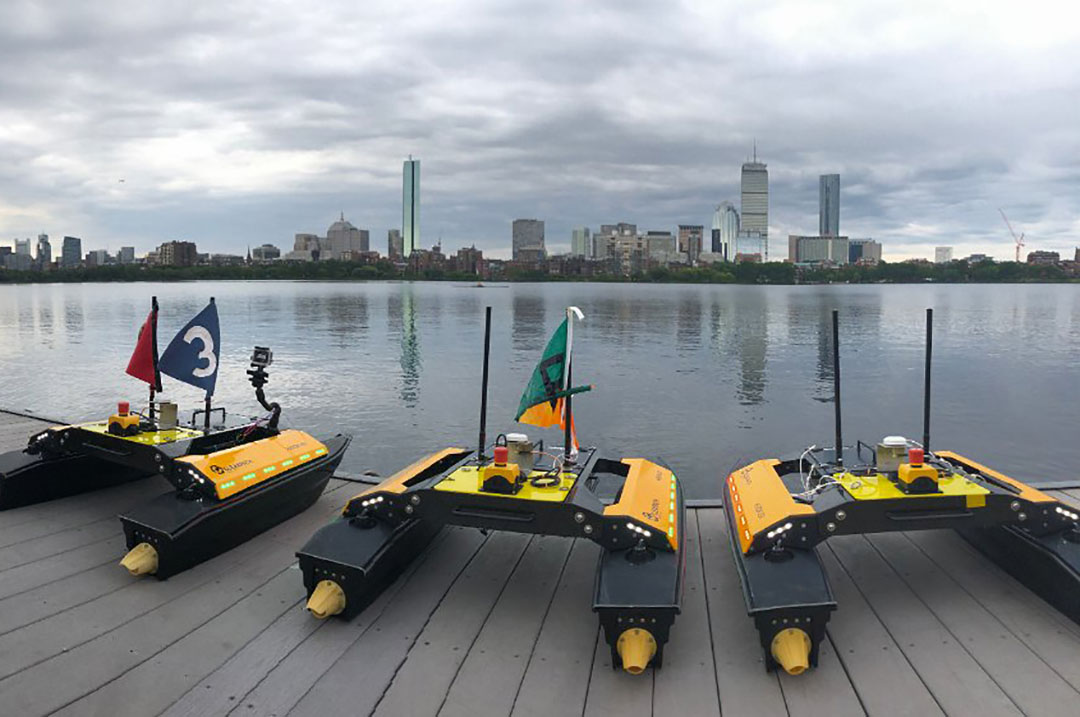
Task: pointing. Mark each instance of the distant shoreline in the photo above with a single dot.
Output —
(956, 272)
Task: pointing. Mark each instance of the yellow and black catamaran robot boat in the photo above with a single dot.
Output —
(778, 511)
(229, 483)
(522, 489)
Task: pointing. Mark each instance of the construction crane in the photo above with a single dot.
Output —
(1019, 239)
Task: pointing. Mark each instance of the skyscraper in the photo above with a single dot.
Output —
(754, 222)
(528, 238)
(579, 241)
(44, 251)
(829, 205)
(71, 253)
(725, 230)
(410, 207)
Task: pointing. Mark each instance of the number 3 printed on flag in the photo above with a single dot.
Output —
(201, 334)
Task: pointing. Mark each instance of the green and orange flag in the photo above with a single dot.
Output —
(542, 403)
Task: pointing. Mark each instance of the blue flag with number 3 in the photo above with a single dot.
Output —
(192, 355)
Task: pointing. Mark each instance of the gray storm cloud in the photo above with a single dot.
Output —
(243, 124)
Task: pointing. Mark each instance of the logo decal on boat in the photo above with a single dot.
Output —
(222, 470)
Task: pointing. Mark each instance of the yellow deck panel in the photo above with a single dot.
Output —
(880, 487)
(466, 481)
(147, 438)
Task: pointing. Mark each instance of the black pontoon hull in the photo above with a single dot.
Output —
(26, 479)
(1048, 565)
(184, 532)
(362, 557)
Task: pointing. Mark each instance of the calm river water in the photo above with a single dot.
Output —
(704, 377)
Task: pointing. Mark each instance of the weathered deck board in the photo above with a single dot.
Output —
(959, 684)
(563, 652)
(498, 625)
(880, 674)
(490, 676)
(682, 686)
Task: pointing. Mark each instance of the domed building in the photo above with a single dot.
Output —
(343, 239)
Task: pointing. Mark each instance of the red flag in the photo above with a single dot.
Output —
(144, 361)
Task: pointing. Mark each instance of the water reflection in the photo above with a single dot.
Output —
(688, 323)
(73, 317)
(528, 330)
(752, 340)
(401, 313)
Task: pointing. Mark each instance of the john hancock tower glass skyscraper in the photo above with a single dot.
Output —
(410, 206)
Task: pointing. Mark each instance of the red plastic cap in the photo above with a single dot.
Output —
(915, 456)
(123, 408)
(502, 454)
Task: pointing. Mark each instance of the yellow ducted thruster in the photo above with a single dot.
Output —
(327, 600)
(636, 647)
(791, 648)
(141, 560)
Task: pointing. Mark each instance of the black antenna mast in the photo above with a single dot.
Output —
(926, 389)
(484, 383)
(836, 385)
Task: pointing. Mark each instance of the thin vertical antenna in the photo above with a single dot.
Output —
(568, 439)
(926, 389)
(568, 433)
(209, 401)
(836, 385)
(484, 383)
(153, 348)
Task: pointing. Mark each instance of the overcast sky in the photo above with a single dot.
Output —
(245, 122)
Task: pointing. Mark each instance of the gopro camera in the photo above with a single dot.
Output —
(262, 357)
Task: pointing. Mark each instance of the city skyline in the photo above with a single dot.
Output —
(219, 136)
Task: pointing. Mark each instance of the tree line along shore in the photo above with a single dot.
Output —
(957, 272)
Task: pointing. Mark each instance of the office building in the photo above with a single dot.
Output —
(470, 260)
(266, 252)
(754, 214)
(44, 251)
(528, 240)
(864, 251)
(394, 248)
(22, 246)
(178, 253)
(818, 250)
(71, 253)
(690, 241)
(580, 242)
(725, 230)
(1045, 258)
(343, 239)
(410, 207)
(942, 254)
(126, 255)
(660, 246)
(829, 205)
(98, 257)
